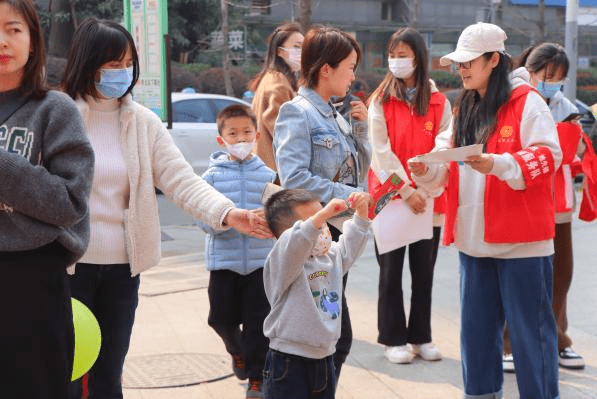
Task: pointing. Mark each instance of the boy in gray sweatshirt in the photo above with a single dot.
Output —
(303, 283)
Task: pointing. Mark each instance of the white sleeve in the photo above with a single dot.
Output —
(537, 128)
(382, 157)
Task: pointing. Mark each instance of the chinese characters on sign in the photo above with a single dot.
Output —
(145, 20)
(236, 39)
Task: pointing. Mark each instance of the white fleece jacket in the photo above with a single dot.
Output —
(153, 160)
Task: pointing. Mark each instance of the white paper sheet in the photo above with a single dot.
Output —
(396, 225)
(453, 154)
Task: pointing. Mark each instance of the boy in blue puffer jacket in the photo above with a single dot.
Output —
(235, 261)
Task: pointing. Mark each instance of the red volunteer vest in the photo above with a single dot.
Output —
(569, 135)
(512, 216)
(411, 134)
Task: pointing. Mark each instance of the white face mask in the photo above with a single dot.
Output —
(324, 242)
(294, 58)
(402, 68)
(240, 150)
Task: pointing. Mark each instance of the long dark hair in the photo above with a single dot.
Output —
(95, 43)
(391, 86)
(325, 45)
(549, 56)
(34, 78)
(273, 62)
(476, 116)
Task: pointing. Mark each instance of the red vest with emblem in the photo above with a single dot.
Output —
(569, 135)
(411, 134)
(512, 216)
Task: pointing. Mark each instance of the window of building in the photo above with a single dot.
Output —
(389, 10)
(260, 7)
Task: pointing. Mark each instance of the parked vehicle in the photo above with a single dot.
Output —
(194, 128)
(587, 121)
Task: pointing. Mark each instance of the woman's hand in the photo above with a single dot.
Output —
(481, 163)
(417, 168)
(359, 110)
(417, 202)
(251, 223)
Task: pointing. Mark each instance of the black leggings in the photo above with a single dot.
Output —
(37, 330)
(391, 318)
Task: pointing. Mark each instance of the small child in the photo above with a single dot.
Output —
(235, 261)
(303, 283)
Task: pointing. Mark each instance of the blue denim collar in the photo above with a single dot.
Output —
(316, 100)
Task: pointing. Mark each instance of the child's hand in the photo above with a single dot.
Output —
(333, 208)
(360, 202)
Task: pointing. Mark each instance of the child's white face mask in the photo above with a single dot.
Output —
(324, 242)
(240, 150)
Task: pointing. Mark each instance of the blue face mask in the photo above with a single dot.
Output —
(548, 90)
(114, 83)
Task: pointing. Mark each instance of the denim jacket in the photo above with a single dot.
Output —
(310, 148)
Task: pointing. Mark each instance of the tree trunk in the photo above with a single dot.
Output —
(541, 21)
(414, 13)
(225, 52)
(305, 15)
(61, 29)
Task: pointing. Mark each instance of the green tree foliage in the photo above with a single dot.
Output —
(101, 9)
(190, 22)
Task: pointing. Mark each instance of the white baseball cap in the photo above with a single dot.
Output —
(474, 41)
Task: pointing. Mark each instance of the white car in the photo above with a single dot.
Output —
(194, 128)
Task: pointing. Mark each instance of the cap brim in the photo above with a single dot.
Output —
(458, 56)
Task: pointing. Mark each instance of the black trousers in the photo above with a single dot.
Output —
(37, 331)
(234, 301)
(345, 341)
(391, 319)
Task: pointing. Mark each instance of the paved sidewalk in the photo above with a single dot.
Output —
(172, 321)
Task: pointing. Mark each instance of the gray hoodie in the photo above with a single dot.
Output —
(305, 292)
(46, 168)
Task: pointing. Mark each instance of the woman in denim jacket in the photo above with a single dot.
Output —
(316, 148)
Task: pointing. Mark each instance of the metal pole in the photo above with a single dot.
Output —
(168, 80)
(571, 47)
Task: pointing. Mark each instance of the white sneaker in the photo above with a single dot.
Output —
(570, 359)
(398, 354)
(508, 363)
(427, 351)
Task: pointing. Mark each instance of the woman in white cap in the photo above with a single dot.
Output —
(406, 113)
(500, 214)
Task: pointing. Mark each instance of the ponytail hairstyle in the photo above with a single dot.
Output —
(550, 57)
(273, 62)
(325, 45)
(391, 86)
(476, 116)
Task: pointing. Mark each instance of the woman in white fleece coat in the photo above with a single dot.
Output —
(134, 154)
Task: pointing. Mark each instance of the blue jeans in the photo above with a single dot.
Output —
(294, 377)
(517, 291)
(112, 295)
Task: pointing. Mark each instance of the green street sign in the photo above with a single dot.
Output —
(147, 20)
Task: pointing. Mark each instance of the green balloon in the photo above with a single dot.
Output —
(88, 339)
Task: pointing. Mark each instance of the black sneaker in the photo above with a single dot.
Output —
(238, 366)
(570, 359)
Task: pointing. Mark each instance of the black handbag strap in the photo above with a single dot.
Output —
(8, 109)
